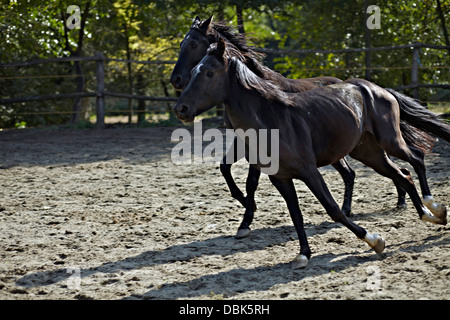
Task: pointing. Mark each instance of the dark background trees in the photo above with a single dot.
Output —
(152, 30)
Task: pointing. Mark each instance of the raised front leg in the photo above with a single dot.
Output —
(248, 202)
(225, 169)
(236, 193)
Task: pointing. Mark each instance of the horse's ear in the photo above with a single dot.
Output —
(205, 24)
(221, 47)
(196, 22)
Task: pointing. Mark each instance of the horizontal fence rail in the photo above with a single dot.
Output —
(350, 50)
(101, 92)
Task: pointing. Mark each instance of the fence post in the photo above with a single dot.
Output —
(100, 75)
(415, 72)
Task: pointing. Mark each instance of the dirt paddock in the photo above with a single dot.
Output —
(105, 214)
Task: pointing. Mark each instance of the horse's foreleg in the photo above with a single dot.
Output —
(287, 191)
(348, 175)
(248, 202)
(401, 200)
(225, 169)
(250, 205)
(236, 193)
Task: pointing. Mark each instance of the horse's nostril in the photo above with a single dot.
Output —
(175, 81)
(183, 109)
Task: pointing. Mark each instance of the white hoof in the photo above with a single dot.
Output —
(430, 217)
(439, 211)
(301, 261)
(242, 233)
(375, 241)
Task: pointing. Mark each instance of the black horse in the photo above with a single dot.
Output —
(193, 48)
(316, 128)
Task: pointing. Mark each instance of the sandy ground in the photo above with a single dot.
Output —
(88, 214)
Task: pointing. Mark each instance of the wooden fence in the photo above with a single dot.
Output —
(100, 93)
(414, 85)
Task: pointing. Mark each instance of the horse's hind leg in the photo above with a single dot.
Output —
(287, 191)
(371, 154)
(388, 134)
(397, 147)
(314, 180)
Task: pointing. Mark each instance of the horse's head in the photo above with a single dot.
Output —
(208, 85)
(192, 49)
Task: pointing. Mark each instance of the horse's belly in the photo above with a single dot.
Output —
(335, 144)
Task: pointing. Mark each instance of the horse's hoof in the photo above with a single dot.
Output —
(438, 210)
(401, 206)
(375, 241)
(242, 233)
(430, 217)
(300, 262)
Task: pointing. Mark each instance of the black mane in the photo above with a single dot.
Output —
(244, 52)
(246, 78)
(237, 39)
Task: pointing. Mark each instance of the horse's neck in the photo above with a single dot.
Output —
(245, 109)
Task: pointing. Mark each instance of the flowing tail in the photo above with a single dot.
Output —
(419, 117)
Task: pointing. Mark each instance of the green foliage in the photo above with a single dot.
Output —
(152, 30)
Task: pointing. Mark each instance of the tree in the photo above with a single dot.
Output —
(153, 30)
(76, 51)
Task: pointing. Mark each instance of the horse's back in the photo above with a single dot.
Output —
(335, 117)
(323, 81)
(306, 84)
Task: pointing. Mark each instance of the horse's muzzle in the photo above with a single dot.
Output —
(183, 113)
(175, 80)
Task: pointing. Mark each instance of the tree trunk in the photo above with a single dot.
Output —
(130, 77)
(141, 103)
(444, 27)
(76, 109)
(240, 18)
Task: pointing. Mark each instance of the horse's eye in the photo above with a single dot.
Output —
(194, 44)
(209, 74)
